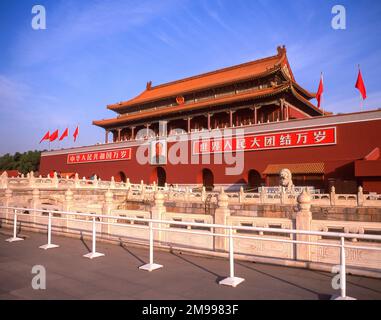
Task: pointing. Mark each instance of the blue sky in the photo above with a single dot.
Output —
(95, 53)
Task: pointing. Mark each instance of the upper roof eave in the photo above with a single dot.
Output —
(265, 66)
(209, 103)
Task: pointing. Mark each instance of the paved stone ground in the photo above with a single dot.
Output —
(116, 276)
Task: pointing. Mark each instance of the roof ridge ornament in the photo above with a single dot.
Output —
(149, 85)
(281, 49)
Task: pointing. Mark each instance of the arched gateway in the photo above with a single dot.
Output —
(208, 179)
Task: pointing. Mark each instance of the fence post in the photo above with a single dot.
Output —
(221, 216)
(232, 280)
(49, 245)
(283, 195)
(14, 238)
(67, 205)
(343, 274)
(203, 194)
(303, 222)
(35, 204)
(7, 203)
(112, 183)
(31, 179)
(157, 212)
(151, 265)
(262, 195)
(332, 196)
(4, 180)
(94, 254)
(76, 180)
(142, 192)
(55, 180)
(170, 193)
(241, 195)
(108, 205)
(360, 197)
(95, 181)
(186, 194)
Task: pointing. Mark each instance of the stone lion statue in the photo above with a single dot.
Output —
(285, 179)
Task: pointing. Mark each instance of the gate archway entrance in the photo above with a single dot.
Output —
(208, 179)
(161, 176)
(254, 179)
(122, 176)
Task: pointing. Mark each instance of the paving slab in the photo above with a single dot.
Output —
(117, 275)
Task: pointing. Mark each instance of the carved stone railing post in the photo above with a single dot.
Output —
(67, 205)
(128, 183)
(7, 203)
(186, 194)
(4, 180)
(332, 196)
(154, 186)
(142, 192)
(360, 197)
(95, 181)
(241, 195)
(262, 195)
(203, 194)
(303, 222)
(108, 206)
(112, 183)
(36, 204)
(55, 180)
(31, 179)
(221, 216)
(294, 195)
(76, 181)
(157, 212)
(170, 193)
(283, 195)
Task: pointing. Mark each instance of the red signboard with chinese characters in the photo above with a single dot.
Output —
(98, 156)
(278, 140)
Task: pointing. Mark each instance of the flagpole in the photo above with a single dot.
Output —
(322, 107)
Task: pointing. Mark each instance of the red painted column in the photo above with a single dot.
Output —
(119, 130)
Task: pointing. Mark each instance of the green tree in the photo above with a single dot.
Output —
(23, 162)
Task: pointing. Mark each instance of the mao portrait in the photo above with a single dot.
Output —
(158, 152)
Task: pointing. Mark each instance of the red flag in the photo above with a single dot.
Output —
(65, 134)
(360, 85)
(45, 137)
(54, 136)
(319, 93)
(75, 134)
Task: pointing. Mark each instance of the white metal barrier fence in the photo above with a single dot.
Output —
(232, 280)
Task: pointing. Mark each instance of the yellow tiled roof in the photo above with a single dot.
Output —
(296, 168)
